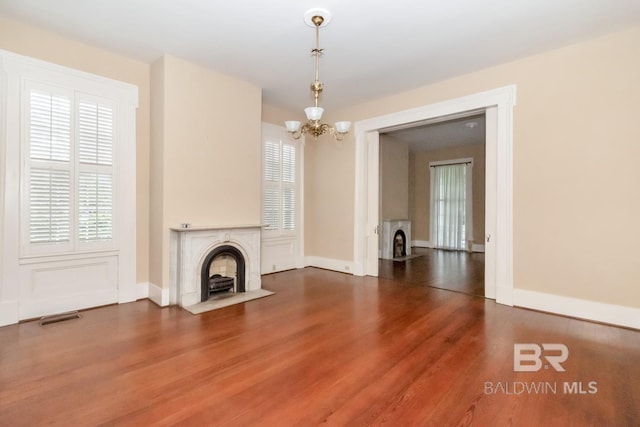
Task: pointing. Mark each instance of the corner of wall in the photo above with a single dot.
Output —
(158, 295)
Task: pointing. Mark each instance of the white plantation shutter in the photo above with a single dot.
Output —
(49, 144)
(95, 180)
(288, 164)
(289, 209)
(270, 210)
(280, 187)
(49, 206)
(69, 175)
(95, 133)
(49, 126)
(288, 187)
(95, 206)
(271, 191)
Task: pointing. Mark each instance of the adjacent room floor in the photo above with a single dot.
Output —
(327, 348)
(453, 270)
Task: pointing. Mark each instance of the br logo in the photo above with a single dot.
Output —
(527, 357)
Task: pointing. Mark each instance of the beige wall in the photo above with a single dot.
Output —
(277, 116)
(208, 127)
(420, 188)
(394, 178)
(329, 178)
(576, 149)
(31, 41)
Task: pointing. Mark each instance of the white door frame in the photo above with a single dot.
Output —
(498, 106)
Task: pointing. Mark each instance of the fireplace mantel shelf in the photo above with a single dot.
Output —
(214, 227)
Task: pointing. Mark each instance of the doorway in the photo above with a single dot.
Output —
(498, 107)
(433, 174)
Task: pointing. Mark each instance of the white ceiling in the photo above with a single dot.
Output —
(469, 130)
(372, 48)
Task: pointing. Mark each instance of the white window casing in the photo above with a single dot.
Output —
(67, 199)
(282, 239)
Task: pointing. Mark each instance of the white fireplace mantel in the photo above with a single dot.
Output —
(389, 229)
(190, 245)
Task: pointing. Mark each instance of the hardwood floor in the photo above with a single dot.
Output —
(327, 348)
(453, 270)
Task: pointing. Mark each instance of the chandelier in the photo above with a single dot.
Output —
(317, 18)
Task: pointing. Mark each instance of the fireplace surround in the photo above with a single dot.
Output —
(192, 249)
(392, 231)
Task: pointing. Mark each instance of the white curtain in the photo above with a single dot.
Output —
(449, 206)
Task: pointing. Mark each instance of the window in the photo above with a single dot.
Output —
(451, 204)
(68, 198)
(279, 212)
(69, 171)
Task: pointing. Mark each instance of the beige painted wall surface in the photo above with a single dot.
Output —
(277, 115)
(156, 167)
(328, 187)
(394, 178)
(576, 148)
(211, 161)
(420, 188)
(31, 41)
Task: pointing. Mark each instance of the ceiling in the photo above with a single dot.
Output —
(469, 130)
(372, 48)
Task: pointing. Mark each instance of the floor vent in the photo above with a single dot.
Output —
(54, 318)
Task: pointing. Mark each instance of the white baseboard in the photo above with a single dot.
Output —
(142, 290)
(427, 244)
(8, 313)
(330, 264)
(583, 309)
(421, 243)
(158, 295)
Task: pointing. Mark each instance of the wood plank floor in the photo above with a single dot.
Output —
(327, 348)
(458, 271)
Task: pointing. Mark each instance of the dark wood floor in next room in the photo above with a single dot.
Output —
(327, 348)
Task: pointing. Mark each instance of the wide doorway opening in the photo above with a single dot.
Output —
(432, 181)
(497, 105)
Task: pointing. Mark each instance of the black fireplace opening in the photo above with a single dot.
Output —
(222, 272)
(399, 244)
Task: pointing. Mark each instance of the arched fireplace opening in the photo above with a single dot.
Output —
(222, 271)
(399, 244)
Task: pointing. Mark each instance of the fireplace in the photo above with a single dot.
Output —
(399, 244)
(212, 261)
(395, 238)
(222, 271)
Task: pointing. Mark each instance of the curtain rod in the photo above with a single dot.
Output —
(464, 162)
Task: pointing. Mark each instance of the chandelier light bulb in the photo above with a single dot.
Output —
(292, 125)
(314, 113)
(342, 127)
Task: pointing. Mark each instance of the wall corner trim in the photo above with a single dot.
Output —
(158, 295)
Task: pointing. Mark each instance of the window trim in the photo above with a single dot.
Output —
(15, 70)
